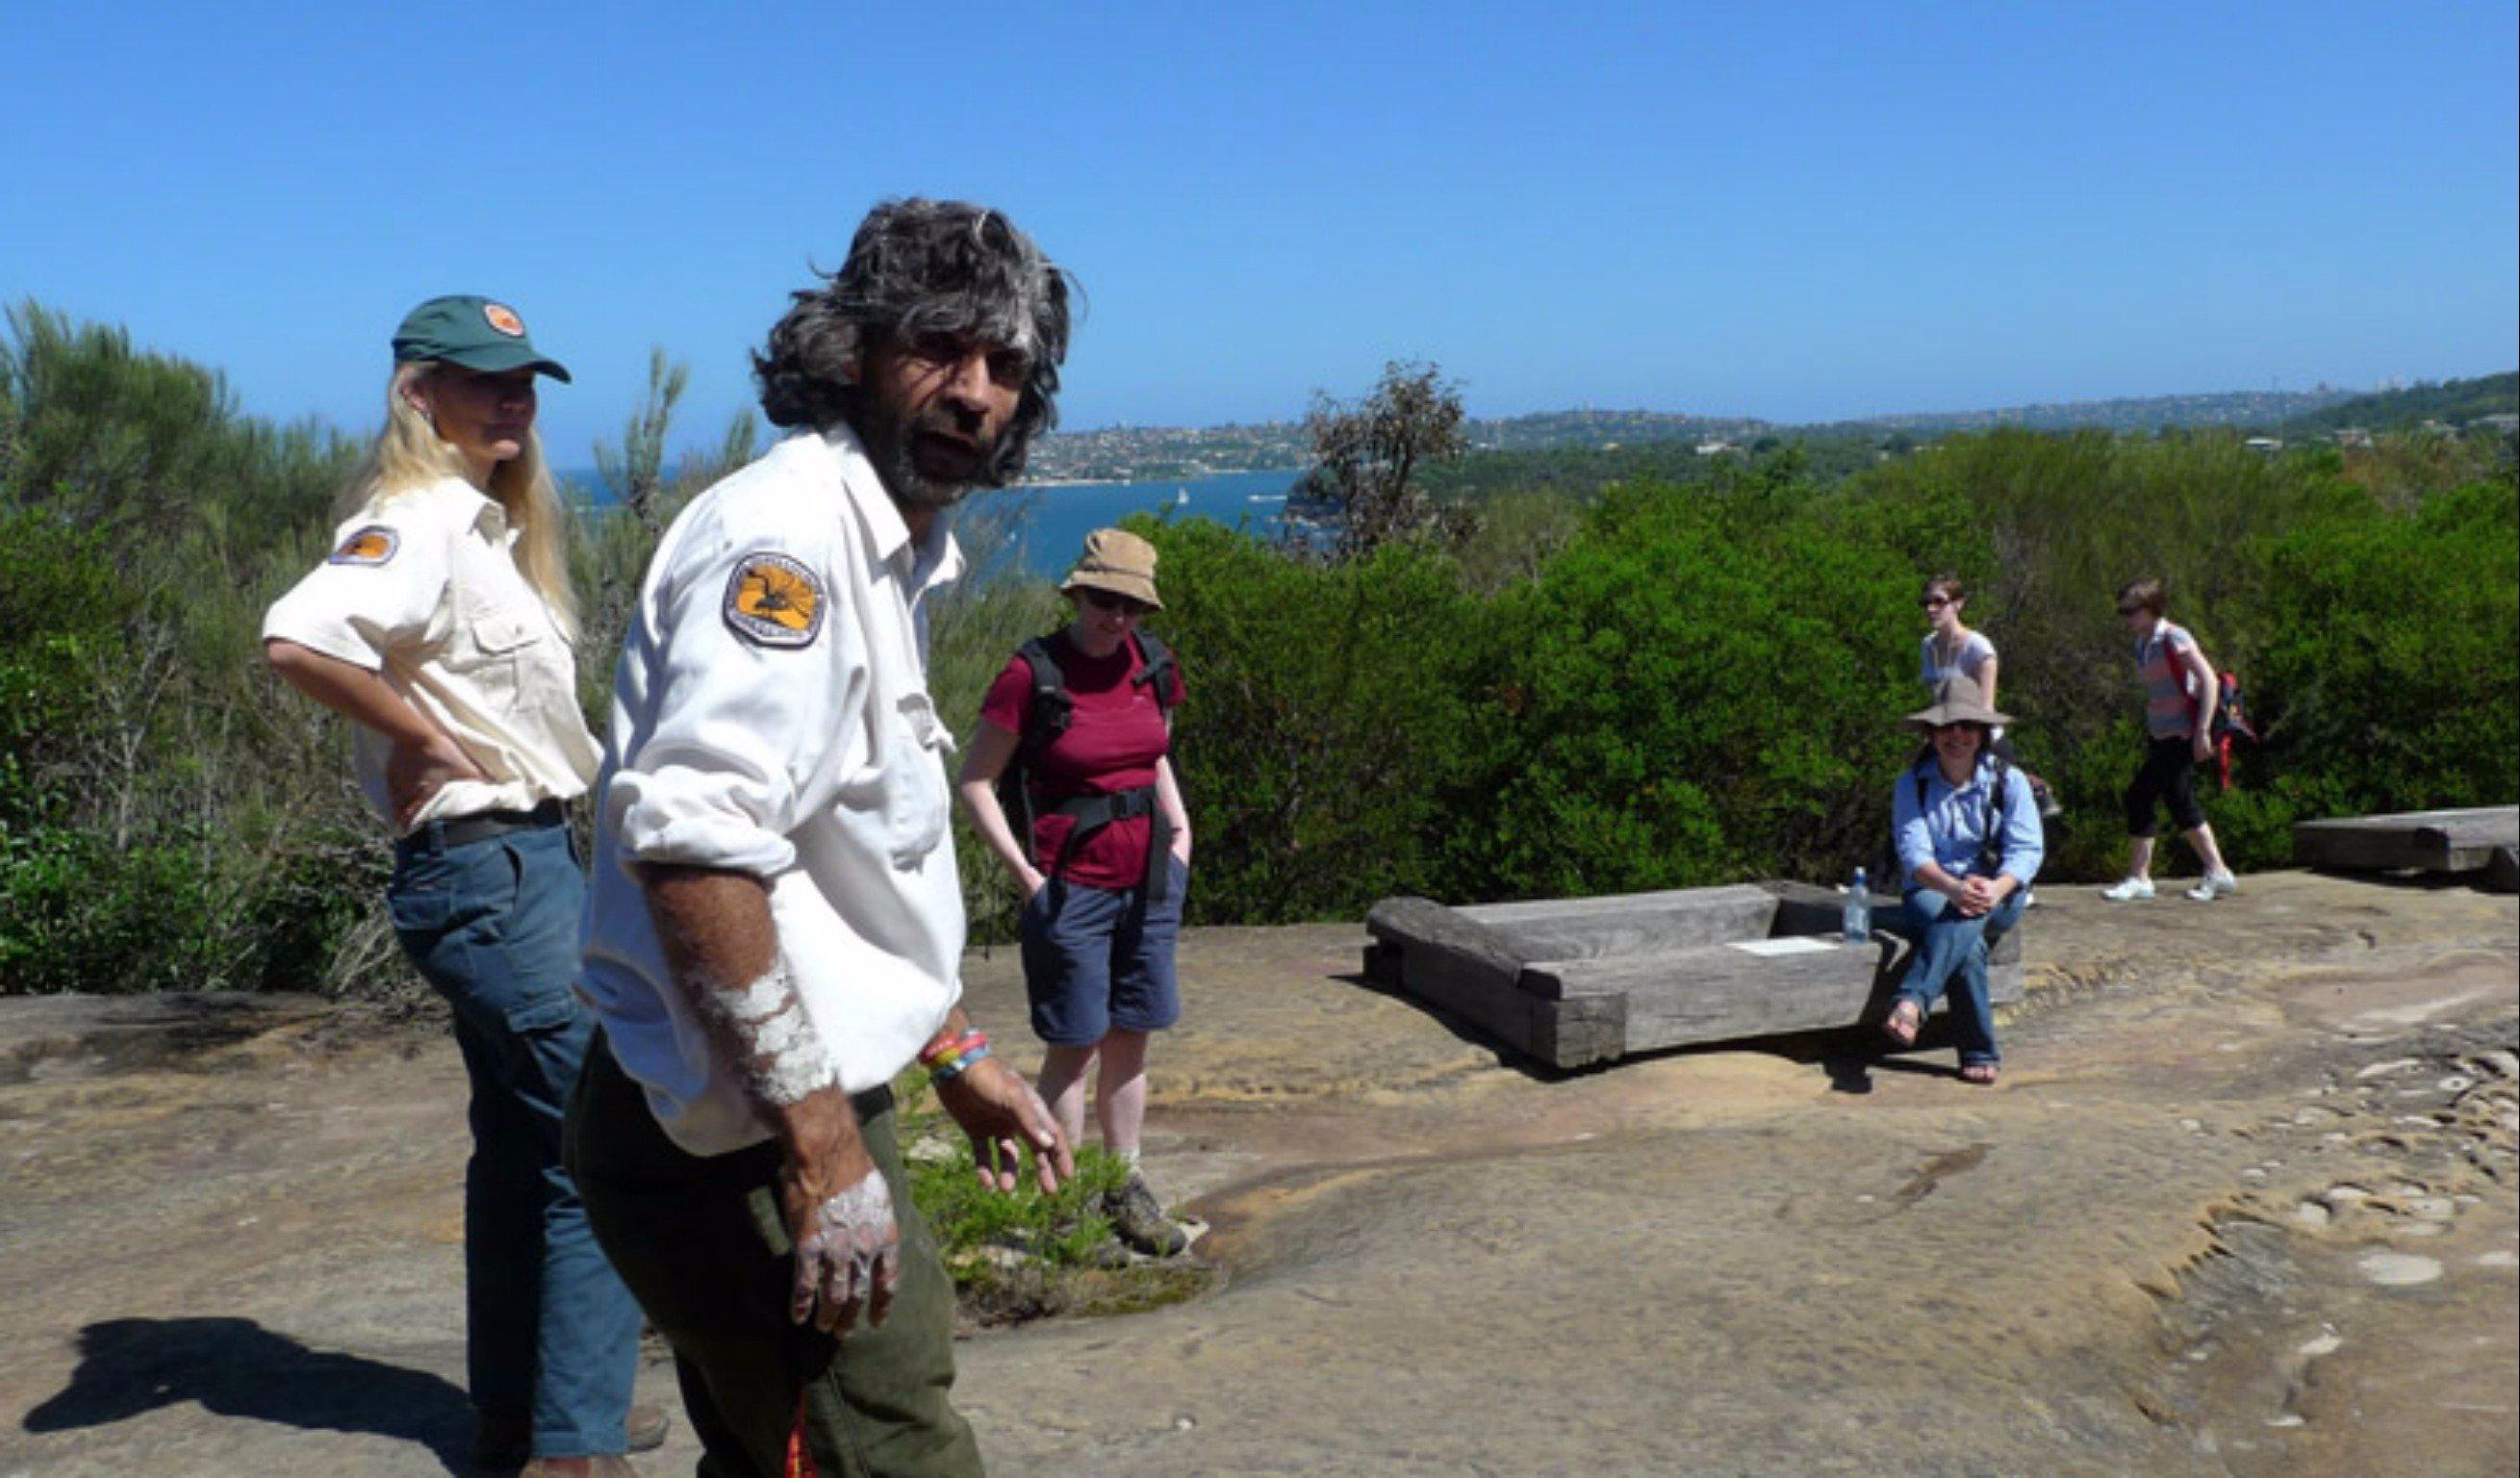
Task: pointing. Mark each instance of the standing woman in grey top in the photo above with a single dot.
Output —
(441, 625)
(1950, 649)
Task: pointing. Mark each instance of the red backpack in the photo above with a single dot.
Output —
(2230, 711)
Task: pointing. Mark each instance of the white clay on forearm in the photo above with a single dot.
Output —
(780, 1057)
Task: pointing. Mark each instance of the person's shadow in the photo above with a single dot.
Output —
(235, 1368)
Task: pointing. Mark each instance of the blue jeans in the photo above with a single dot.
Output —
(1948, 945)
(549, 1329)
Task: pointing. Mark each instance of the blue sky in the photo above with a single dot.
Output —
(1792, 210)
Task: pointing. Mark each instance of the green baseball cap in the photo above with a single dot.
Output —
(476, 333)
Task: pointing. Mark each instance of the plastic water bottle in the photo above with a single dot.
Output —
(1858, 912)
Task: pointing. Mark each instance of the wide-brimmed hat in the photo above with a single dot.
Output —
(1119, 561)
(1957, 701)
(476, 333)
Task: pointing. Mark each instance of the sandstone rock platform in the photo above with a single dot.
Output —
(2242, 1204)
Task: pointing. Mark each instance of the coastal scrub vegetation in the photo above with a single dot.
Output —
(1601, 679)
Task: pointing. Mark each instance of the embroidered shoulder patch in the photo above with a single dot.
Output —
(774, 601)
(373, 545)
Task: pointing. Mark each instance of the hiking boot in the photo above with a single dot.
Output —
(1139, 1220)
(2214, 886)
(2127, 891)
(505, 1439)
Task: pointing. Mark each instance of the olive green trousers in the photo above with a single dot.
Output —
(701, 1243)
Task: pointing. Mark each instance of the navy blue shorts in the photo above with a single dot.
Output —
(1099, 960)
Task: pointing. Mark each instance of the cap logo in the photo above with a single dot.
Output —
(774, 601)
(373, 545)
(503, 319)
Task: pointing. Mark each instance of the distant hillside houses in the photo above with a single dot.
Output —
(2490, 405)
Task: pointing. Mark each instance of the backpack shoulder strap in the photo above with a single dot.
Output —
(1047, 710)
(1991, 847)
(1156, 671)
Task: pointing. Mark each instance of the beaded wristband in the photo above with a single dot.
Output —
(948, 1072)
(951, 1047)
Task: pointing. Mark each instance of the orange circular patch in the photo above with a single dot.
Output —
(775, 600)
(503, 319)
(372, 545)
(771, 594)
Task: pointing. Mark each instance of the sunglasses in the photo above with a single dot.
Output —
(1934, 603)
(1104, 599)
(2128, 610)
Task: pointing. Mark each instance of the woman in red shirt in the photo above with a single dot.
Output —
(1086, 717)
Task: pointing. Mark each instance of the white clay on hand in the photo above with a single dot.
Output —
(851, 1256)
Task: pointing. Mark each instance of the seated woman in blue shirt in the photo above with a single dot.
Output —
(1969, 844)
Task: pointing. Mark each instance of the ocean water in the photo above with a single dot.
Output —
(1050, 522)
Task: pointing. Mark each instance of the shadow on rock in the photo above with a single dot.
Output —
(235, 1368)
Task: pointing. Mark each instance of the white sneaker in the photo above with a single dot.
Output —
(2214, 886)
(2029, 898)
(2128, 889)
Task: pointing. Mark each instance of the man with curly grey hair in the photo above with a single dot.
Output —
(775, 927)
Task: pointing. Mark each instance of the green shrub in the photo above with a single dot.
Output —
(1682, 702)
(2391, 670)
(1326, 706)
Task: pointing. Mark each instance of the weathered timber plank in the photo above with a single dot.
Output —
(1422, 923)
(1805, 908)
(1707, 966)
(2441, 841)
(1703, 996)
(2502, 870)
(1477, 996)
(1598, 1007)
(1593, 928)
(1722, 995)
(1576, 1033)
(1458, 965)
(1611, 904)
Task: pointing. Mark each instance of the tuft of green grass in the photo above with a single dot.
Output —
(1064, 1229)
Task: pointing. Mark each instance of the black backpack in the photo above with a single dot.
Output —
(1048, 711)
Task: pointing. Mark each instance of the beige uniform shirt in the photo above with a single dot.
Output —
(771, 716)
(422, 586)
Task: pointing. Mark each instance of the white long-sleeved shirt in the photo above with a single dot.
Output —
(423, 589)
(771, 716)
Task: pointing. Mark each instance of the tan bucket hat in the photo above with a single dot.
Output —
(1119, 561)
(1957, 701)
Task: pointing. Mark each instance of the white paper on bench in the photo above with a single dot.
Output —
(1791, 944)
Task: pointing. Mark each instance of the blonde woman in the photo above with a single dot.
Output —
(441, 626)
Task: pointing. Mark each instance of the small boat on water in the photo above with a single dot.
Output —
(1181, 497)
(1266, 498)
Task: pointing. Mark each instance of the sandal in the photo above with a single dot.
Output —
(1901, 1024)
(1980, 1073)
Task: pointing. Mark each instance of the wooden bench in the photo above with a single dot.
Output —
(1583, 981)
(2484, 840)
